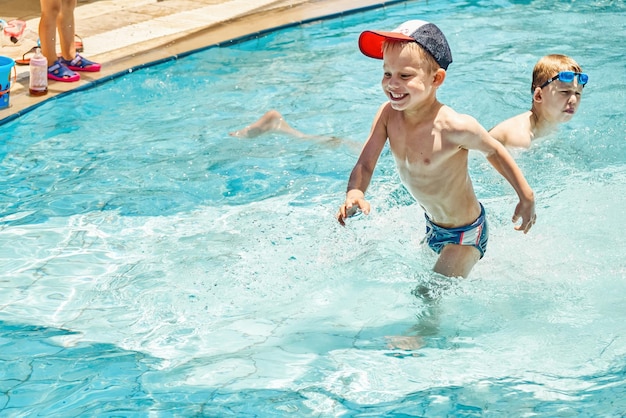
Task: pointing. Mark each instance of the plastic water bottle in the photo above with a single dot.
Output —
(38, 84)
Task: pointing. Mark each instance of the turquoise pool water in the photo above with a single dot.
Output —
(152, 265)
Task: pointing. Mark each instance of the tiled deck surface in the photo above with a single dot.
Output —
(122, 34)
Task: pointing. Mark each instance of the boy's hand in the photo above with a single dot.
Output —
(526, 211)
(355, 202)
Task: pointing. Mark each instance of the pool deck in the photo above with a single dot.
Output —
(123, 34)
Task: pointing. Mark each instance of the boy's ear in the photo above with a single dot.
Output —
(439, 77)
(537, 95)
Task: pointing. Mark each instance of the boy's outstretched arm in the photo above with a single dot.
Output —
(504, 163)
(362, 172)
(360, 178)
(476, 137)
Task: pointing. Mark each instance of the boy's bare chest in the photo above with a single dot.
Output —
(418, 148)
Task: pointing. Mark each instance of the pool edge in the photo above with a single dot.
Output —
(155, 51)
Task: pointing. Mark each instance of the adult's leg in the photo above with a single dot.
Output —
(50, 10)
(67, 29)
(271, 121)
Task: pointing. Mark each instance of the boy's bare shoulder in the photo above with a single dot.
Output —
(453, 121)
(514, 132)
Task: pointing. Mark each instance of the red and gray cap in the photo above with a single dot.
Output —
(426, 34)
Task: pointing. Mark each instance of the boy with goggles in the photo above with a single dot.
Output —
(557, 88)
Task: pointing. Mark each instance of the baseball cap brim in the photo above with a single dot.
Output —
(371, 42)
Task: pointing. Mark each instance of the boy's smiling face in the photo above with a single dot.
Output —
(407, 77)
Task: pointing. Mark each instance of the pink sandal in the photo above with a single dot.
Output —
(80, 63)
(59, 72)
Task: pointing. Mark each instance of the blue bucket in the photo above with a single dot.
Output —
(6, 65)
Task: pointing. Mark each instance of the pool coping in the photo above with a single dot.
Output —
(229, 32)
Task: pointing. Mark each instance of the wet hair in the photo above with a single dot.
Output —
(549, 66)
(428, 60)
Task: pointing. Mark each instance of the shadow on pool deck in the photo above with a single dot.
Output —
(123, 34)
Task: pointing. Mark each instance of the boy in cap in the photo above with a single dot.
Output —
(557, 88)
(430, 144)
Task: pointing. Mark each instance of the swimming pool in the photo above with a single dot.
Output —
(154, 265)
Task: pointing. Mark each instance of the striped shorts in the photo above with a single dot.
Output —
(476, 234)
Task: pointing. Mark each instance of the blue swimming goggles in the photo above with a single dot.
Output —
(568, 77)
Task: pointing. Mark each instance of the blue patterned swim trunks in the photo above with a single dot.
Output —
(476, 234)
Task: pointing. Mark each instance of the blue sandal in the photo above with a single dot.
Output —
(59, 72)
(80, 63)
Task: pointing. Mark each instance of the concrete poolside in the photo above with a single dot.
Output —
(122, 34)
